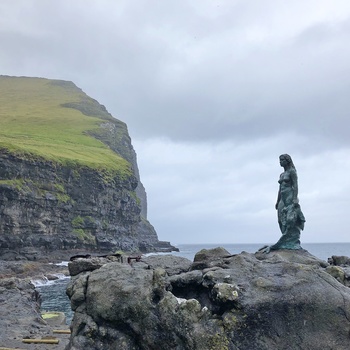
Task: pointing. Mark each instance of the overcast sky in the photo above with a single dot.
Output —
(212, 93)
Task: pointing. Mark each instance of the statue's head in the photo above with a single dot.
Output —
(286, 159)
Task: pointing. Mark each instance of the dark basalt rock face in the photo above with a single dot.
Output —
(57, 208)
(281, 300)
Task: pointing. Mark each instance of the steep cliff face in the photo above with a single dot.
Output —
(68, 174)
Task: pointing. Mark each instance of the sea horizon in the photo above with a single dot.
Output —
(322, 250)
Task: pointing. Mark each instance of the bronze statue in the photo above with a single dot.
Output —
(290, 217)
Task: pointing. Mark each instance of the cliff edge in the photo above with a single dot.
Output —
(68, 174)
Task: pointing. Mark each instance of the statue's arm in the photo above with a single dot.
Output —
(278, 198)
(294, 178)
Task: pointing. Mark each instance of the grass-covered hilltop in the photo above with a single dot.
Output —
(54, 120)
(68, 173)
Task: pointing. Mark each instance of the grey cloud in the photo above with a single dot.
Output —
(212, 92)
(191, 72)
(228, 192)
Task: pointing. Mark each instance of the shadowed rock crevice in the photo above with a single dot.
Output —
(208, 297)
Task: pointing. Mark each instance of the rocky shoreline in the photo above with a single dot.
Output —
(284, 299)
(287, 299)
(20, 305)
(20, 301)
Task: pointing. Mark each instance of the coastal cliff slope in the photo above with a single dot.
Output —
(68, 174)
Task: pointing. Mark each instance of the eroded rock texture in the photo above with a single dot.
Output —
(281, 300)
(61, 208)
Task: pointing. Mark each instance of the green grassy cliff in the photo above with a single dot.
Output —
(41, 118)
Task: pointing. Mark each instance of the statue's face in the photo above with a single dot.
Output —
(283, 161)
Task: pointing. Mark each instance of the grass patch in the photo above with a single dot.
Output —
(15, 183)
(59, 188)
(61, 193)
(78, 222)
(40, 189)
(84, 236)
(35, 124)
(63, 197)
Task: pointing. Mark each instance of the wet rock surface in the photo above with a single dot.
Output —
(281, 300)
(20, 305)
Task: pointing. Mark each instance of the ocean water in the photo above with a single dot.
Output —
(54, 296)
(320, 250)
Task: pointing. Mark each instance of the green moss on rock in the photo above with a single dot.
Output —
(84, 236)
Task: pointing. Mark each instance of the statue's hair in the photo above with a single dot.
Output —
(288, 158)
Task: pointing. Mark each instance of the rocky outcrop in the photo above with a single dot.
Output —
(20, 312)
(339, 268)
(19, 306)
(281, 300)
(48, 206)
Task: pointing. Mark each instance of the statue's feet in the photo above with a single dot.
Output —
(266, 249)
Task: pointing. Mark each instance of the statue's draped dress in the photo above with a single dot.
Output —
(290, 217)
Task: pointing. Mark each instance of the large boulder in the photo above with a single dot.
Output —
(281, 300)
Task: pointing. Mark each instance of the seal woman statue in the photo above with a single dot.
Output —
(290, 217)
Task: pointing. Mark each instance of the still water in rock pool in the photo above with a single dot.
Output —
(54, 298)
